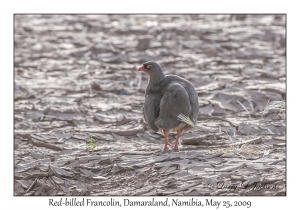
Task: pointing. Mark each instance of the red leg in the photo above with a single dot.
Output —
(166, 132)
(177, 140)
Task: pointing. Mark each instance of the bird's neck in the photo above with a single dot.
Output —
(154, 79)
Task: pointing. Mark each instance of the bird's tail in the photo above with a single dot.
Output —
(186, 119)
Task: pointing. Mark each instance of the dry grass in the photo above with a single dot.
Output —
(274, 106)
(250, 149)
(247, 150)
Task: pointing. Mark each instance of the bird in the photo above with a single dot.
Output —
(171, 103)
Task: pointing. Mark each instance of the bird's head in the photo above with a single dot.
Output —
(154, 70)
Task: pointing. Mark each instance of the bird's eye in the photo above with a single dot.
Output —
(149, 66)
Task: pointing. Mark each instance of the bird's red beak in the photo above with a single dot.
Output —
(141, 68)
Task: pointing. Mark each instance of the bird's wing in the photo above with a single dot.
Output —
(174, 102)
(193, 96)
(151, 109)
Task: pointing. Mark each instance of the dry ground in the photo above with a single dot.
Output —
(77, 75)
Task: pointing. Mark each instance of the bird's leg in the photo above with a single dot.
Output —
(166, 132)
(177, 140)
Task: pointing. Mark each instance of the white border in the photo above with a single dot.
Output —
(151, 6)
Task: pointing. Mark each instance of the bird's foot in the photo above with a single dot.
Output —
(175, 146)
(166, 145)
(176, 149)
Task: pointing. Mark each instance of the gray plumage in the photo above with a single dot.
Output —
(166, 97)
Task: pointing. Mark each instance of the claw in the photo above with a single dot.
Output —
(176, 149)
(166, 145)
